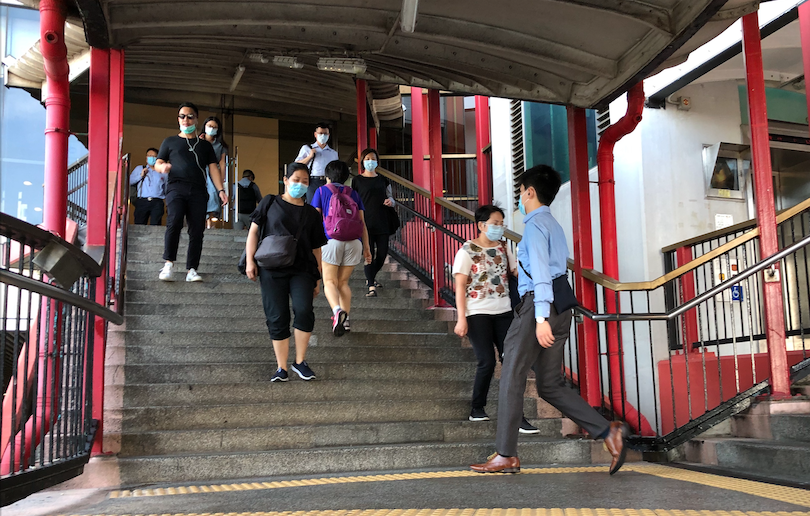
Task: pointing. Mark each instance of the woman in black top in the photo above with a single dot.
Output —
(285, 214)
(375, 191)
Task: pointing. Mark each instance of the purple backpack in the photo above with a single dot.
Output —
(343, 221)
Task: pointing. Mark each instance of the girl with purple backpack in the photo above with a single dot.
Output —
(345, 227)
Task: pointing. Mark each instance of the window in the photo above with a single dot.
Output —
(726, 166)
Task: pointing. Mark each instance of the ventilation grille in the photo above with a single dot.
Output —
(602, 122)
(518, 151)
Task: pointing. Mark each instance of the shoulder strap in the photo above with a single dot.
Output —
(332, 188)
(524, 269)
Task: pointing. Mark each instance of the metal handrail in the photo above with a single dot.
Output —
(65, 296)
(685, 307)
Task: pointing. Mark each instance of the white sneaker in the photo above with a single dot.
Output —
(166, 272)
(193, 276)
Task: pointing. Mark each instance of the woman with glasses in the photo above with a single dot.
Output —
(481, 270)
(189, 161)
(212, 133)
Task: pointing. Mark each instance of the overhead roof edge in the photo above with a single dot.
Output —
(96, 28)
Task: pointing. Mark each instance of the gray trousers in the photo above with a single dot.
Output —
(521, 353)
(242, 221)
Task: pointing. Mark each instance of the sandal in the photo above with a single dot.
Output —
(372, 292)
(378, 285)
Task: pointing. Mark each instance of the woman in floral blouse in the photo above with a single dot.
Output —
(481, 269)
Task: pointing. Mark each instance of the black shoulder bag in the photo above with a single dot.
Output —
(564, 298)
(274, 251)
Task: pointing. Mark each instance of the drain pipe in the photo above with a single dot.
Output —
(610, 252)
(57, 113)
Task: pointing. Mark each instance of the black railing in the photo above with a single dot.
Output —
(46, 334)
(77, 191)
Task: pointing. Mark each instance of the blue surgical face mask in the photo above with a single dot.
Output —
(495, 233)
(520, 205)
(188, 130)
(151, 160)
(370, 165)
(296, 190)
(211, 131)
(322, 138)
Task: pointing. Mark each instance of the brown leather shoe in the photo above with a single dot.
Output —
(498, 464)
(616, 444)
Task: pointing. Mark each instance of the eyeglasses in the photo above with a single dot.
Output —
(183, 116)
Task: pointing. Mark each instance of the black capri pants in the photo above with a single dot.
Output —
(277, 290)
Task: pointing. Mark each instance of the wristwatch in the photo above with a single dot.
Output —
(221, 190)
(540, 320)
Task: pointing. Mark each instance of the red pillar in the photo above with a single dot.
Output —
(804, 31)
(97, 188)
(362, 117)
(57, 114)
(436, 190)
(418, 125)
(766, 213)
(587, 332)
(482, 140)
(372, 137)
(684, 256)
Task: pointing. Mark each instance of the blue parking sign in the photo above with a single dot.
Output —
(736, 293)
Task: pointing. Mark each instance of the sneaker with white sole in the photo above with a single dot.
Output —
(166, 272)
(478, 414)
(193, 276)
(338, 321)
(527, 428)
(303, 370)
(280, 376)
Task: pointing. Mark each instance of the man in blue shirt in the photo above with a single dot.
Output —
(537, 335)
(150, 186)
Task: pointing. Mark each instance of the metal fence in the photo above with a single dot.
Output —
(77, 191)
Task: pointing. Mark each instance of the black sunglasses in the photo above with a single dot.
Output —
(183, 116)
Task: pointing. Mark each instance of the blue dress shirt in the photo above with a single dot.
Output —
(152, 185)
(543, 252)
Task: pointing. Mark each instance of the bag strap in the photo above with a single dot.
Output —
(524, 270)
(502, 247)
(312, 161)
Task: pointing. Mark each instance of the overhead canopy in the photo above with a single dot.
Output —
(579, 52)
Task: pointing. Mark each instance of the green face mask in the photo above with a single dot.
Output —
(188, 130)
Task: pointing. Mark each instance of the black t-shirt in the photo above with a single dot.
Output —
(189, 158)
(275, 216)
(373, 192)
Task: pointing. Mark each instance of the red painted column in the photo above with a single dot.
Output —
(57, 114)
(372, 137)
(97, 188)
(764, 198)
(587, 331)
(362, 116)
(436, 190)
(418, 125)
(804, 31)
(684, 256)
(482, 140)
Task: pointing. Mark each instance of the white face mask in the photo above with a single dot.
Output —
(211, 131)
(322, 138)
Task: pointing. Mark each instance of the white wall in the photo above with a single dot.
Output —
(500, 129)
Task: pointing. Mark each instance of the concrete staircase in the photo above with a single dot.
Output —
(191, 400)
(770, 441)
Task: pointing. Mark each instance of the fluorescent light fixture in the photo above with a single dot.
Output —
(407, 17)
(27, 183)
(258, 57)
(287, 62)
(342, 64)
(237, 77)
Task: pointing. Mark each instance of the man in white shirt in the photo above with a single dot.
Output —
(316, 156)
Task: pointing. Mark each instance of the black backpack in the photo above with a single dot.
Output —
(247, 198)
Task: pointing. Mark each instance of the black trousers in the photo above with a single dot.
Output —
(277, 290)
(314, 184)
(484, 331)
(379, 250)
(184, 200)
(147, 208)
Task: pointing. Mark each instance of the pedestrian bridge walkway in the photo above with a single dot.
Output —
(640, 489)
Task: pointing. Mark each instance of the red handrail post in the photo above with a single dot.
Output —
(436, 190)
(766, 212)
(99, 130)
(362, 119)
(482, 140)
(684, 256)
(418, 127)
(588, 346)
(804, 31)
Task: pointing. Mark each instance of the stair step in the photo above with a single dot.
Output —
(284, 414)
(257, 324)
(143, 395)
(218, 275)
(312, 436)
(245, 286)
(359, 301)
(255, 311)
(772, 459)
(257, 371)
(226, 263)
(195, 468)
(136, 355)
(321, 338)
(791, 427)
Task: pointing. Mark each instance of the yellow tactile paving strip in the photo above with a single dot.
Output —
(494, 512)
(790, 495)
